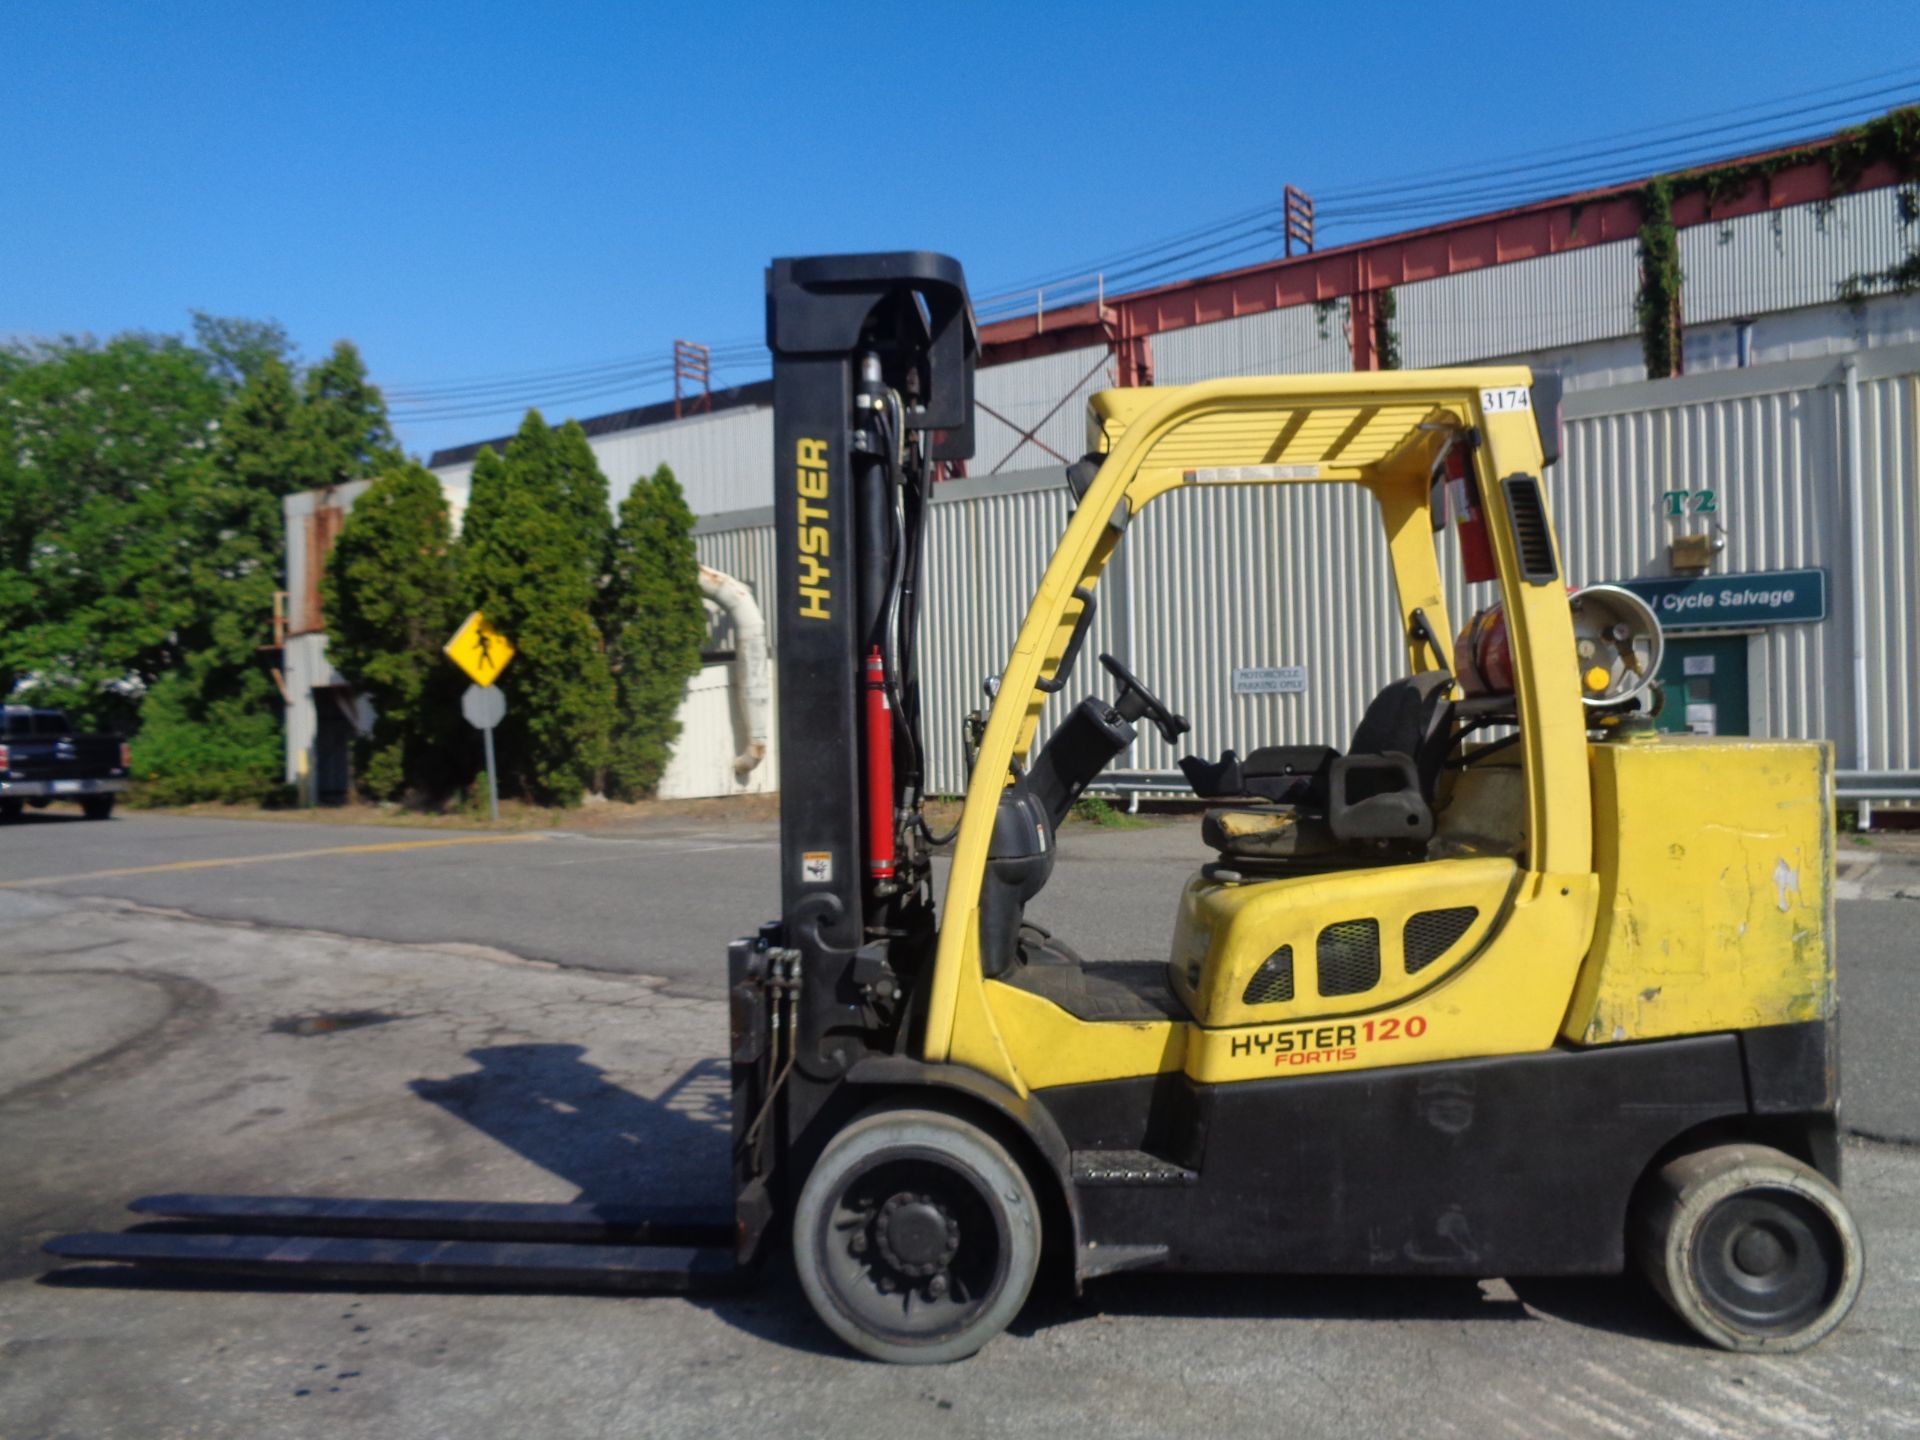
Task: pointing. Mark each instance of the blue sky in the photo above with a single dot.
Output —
(471, 190)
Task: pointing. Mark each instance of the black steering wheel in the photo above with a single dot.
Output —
(1136, 702)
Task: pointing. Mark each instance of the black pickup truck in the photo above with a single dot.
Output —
(42, 760)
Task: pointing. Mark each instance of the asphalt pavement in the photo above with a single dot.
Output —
(663, 897)
(537, 1019)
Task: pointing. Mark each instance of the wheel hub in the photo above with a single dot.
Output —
(1767, 1259)
(915, 1234)
(1758, 1251)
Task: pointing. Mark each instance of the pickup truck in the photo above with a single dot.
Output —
(42, 760)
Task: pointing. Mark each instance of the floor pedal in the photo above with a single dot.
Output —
(1128, 1167)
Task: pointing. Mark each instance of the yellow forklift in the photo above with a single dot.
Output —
(1508, 985)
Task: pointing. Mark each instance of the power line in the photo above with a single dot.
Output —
(1424, 196)
(1549, 176)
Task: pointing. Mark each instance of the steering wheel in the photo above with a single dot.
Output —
(1136, 702)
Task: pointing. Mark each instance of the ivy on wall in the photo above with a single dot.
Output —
(1657, 306)
(1386, 339)
(1893, 138)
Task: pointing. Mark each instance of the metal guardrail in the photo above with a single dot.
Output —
(1869, 785)
(1876, 784)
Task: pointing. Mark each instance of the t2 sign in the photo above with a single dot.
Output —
(1678, 504)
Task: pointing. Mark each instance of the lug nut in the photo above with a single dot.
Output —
(937, 1287)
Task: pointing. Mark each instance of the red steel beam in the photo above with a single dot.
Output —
(1547, 227)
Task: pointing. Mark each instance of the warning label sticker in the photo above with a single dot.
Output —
(816, 867)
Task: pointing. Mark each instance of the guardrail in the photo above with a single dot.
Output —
(1861, 787)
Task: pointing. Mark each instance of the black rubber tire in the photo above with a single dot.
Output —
(97, 807)
(1753, 1249)
(11, 809)
(933, 1168)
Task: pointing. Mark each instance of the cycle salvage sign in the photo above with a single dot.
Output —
(1270, 680)
(1724, 602)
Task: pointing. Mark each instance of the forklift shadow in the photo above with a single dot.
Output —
(546, 1103)
(1617, 1304)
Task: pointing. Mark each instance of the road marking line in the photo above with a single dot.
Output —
(382, 847)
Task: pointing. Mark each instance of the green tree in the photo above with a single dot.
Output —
(584, 497)
(102, 452)
(235, 534)
(238, 349)
(390, 596)
(346, 421)
(559, 467)
(141, 482)
(654, 621)
(520, 563)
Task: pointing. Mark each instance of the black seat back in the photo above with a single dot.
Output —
(1412, 717)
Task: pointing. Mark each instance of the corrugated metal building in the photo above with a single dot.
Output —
(1210, 581)
(1762, 418)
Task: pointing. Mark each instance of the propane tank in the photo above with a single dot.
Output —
(1482, 656)
(1617, 644)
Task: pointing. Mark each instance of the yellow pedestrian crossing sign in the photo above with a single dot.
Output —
(479, 649)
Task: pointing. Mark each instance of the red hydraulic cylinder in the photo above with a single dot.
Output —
(880, 855)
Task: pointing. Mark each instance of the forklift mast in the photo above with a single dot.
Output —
(873, 359)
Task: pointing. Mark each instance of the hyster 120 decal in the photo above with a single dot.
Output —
(815, 596)
(1327, 1044)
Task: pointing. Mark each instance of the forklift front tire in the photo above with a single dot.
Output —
(916, 1237)
(1750, 1247)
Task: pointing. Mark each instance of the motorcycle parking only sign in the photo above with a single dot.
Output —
(1270, 680)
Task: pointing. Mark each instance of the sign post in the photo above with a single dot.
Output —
(483, 652)
(485, 707)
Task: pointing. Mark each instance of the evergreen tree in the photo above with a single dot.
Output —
(654, 621)
(559, 467)
(346, 421)
(238, 349)
(231, 564)
(389, 595)
(584, 497)
(521, 564)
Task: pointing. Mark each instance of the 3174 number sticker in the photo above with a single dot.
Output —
(1506, 397)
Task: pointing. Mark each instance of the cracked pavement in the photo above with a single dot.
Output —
(148, 1050)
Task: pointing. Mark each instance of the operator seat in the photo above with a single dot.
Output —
(1374, 801)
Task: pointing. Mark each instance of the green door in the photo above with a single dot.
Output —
(1706, 683)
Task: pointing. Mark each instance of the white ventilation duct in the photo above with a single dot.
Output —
(754, 680)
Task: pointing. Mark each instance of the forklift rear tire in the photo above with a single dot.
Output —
(97, 807)
(916, 1237)
(1751, 1248)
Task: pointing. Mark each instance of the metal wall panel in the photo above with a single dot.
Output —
(1810, 332)
(1275, 342)
(1771, 442)
(1779, 259)
(1890, 459)
(724, 462)
(1049, 391)
(1231, 577)
(1209, 580)
(986, 553)
(1554, 300)
(1774, 463)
